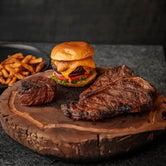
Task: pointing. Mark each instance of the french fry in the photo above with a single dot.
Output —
(1, 73)
(18, 69)
(17, 66)
(34, 61)
(33, 57)
(8, 80)
(5, 73)
(11, 60)
(9, 69)
(40, 66)
(27, 59)
(5, 62)
(28, 67)
(2, 80)
(13, 65)
(1, 67)
(14, 60)
(19, 76)
(18, 55)
(25, 73)
(13, 80)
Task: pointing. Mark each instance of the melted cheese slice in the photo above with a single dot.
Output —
(67, 67)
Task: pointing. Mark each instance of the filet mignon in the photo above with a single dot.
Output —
(37, 90)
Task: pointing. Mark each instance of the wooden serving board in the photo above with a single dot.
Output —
(46, 130)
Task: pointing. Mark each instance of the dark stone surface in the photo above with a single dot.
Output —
(146, 61)
(97, 21)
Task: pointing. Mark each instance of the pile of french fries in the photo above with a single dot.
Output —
(17, 67)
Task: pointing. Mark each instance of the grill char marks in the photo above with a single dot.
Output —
(115, 92)
(36, 90)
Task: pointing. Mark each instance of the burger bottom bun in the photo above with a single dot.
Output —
(82, 83)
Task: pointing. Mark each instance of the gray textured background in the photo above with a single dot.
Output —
(146, 61)
(95, 21)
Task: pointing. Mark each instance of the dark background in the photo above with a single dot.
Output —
(95, 21)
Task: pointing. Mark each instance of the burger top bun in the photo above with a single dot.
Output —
(73, 50)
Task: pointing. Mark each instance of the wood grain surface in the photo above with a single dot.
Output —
(46, 130)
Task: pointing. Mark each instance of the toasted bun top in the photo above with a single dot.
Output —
(74, 50)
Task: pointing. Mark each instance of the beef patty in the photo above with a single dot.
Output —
(36, 90)
(115, 92)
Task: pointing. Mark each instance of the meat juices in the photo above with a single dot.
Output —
(115, 92)
(37, 90)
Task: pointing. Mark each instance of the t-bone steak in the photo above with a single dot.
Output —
(115, 92)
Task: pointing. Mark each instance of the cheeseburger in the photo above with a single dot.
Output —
(73, 64)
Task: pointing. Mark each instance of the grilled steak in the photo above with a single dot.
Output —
(115, 92)
(36, 90)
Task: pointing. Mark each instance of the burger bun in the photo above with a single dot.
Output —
(73, 50)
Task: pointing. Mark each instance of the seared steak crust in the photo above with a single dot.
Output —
(37, 90)
(115, 92)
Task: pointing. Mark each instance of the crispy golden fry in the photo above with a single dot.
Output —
(33, 57)
(10, 69)
(4, 62)
(13, 65)
(40, 66)
(11, 60)
(5, 73)
(18, 67)
(25, 73)
(34, 61)
(28, 67)
(2, 80)
(27, 59)
(1, 67)
(7, 61)
(17, 55)
(8, 80)
(12, 81)
(16, 60)
(19, 76)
